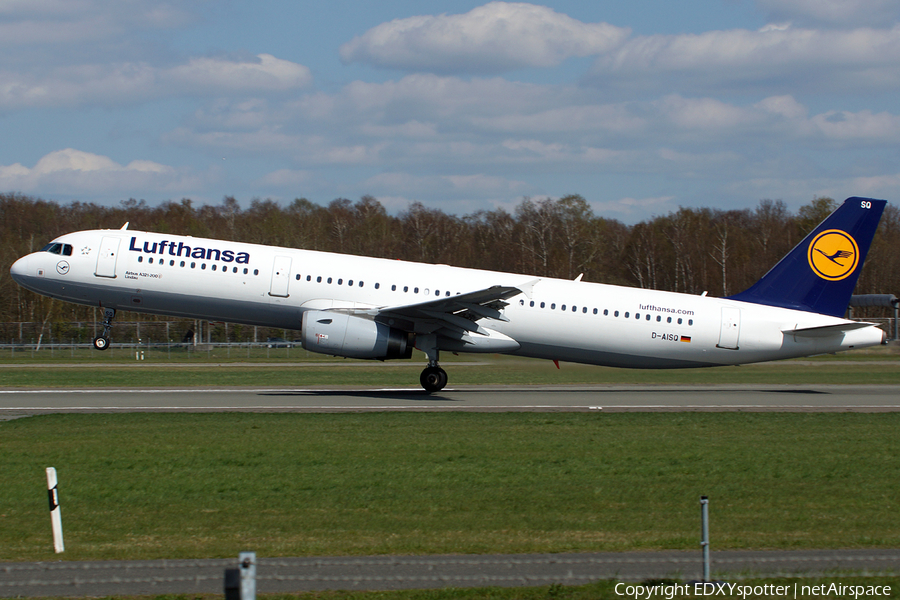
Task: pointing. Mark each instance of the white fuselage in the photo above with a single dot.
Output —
(559, 320)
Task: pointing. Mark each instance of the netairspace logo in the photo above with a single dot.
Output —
(736, 590)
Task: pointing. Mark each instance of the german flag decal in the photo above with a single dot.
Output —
(686, 338)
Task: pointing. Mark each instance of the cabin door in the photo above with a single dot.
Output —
(731, 328)
(106, 258)
(281, 276)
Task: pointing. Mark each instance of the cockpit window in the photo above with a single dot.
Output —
(57, 248)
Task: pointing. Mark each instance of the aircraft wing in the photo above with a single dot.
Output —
(453, 315)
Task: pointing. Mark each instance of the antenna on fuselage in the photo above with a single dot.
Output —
(125, 226)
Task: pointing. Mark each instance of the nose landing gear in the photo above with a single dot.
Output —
(101, 342)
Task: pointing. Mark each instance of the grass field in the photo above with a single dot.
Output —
(287, 370)
(210, 485)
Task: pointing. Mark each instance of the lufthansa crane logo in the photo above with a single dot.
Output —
(833, 255)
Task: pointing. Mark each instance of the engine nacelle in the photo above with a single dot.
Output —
(340, 334)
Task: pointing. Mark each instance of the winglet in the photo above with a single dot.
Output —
(819, 274)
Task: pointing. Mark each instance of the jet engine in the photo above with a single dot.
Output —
(340, 334)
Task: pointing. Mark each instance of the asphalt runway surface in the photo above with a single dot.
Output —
(609, 398)
(285, 575)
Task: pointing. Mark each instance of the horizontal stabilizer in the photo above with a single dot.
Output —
(828, 330)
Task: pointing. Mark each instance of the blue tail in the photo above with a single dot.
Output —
(819, 274)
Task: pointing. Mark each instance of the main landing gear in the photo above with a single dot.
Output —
(433, 378)
(101, 342)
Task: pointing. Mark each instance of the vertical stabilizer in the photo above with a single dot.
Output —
(819, 274)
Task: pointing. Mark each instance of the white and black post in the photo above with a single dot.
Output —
(55, 515)
(704, 535)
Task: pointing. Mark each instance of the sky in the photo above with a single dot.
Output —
(640, 107)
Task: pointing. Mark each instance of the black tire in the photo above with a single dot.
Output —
(433, 379)
(101, 342)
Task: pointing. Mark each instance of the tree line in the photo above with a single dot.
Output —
(691, 250)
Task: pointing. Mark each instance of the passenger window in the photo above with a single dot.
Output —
(563, 307)
(668, 319)
(542, 305)
(377, 285)
(340, 282)
(658, 318)
(140, 259)
(202, 266)
(405, 288)
(319, 279)
(690, 321)
(605, 312)
(193, 265)
(350, 282)
(532, 304)
(182, 263)
(415, 290)
(298, 276)
(627, 314)
(679, 320)
(553, 305)
(360, 284)
(616, 314)
(213, 267)
(256, 271)
(329, 280)
(648, 317)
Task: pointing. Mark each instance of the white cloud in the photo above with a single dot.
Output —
(493, 38)
(833, 12)
(266, 73)
(130, 83)
(73, 171)
(773, 58)
(30, 22)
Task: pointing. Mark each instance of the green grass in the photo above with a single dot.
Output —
(136, 486)
(879, 369)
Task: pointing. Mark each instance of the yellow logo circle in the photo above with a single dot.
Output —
(833, 255)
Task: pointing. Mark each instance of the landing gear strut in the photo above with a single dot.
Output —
(433, 378)
(101, 342)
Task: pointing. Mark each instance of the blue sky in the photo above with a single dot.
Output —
(640, 107)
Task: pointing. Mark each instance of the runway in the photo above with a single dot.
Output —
(607, 398)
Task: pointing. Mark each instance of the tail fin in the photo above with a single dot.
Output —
(819, 274)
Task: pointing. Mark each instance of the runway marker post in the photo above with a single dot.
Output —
(55, 514)
(704, 535)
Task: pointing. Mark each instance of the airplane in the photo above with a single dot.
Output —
(372, 308)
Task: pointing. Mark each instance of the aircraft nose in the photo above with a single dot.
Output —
(19, 270)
